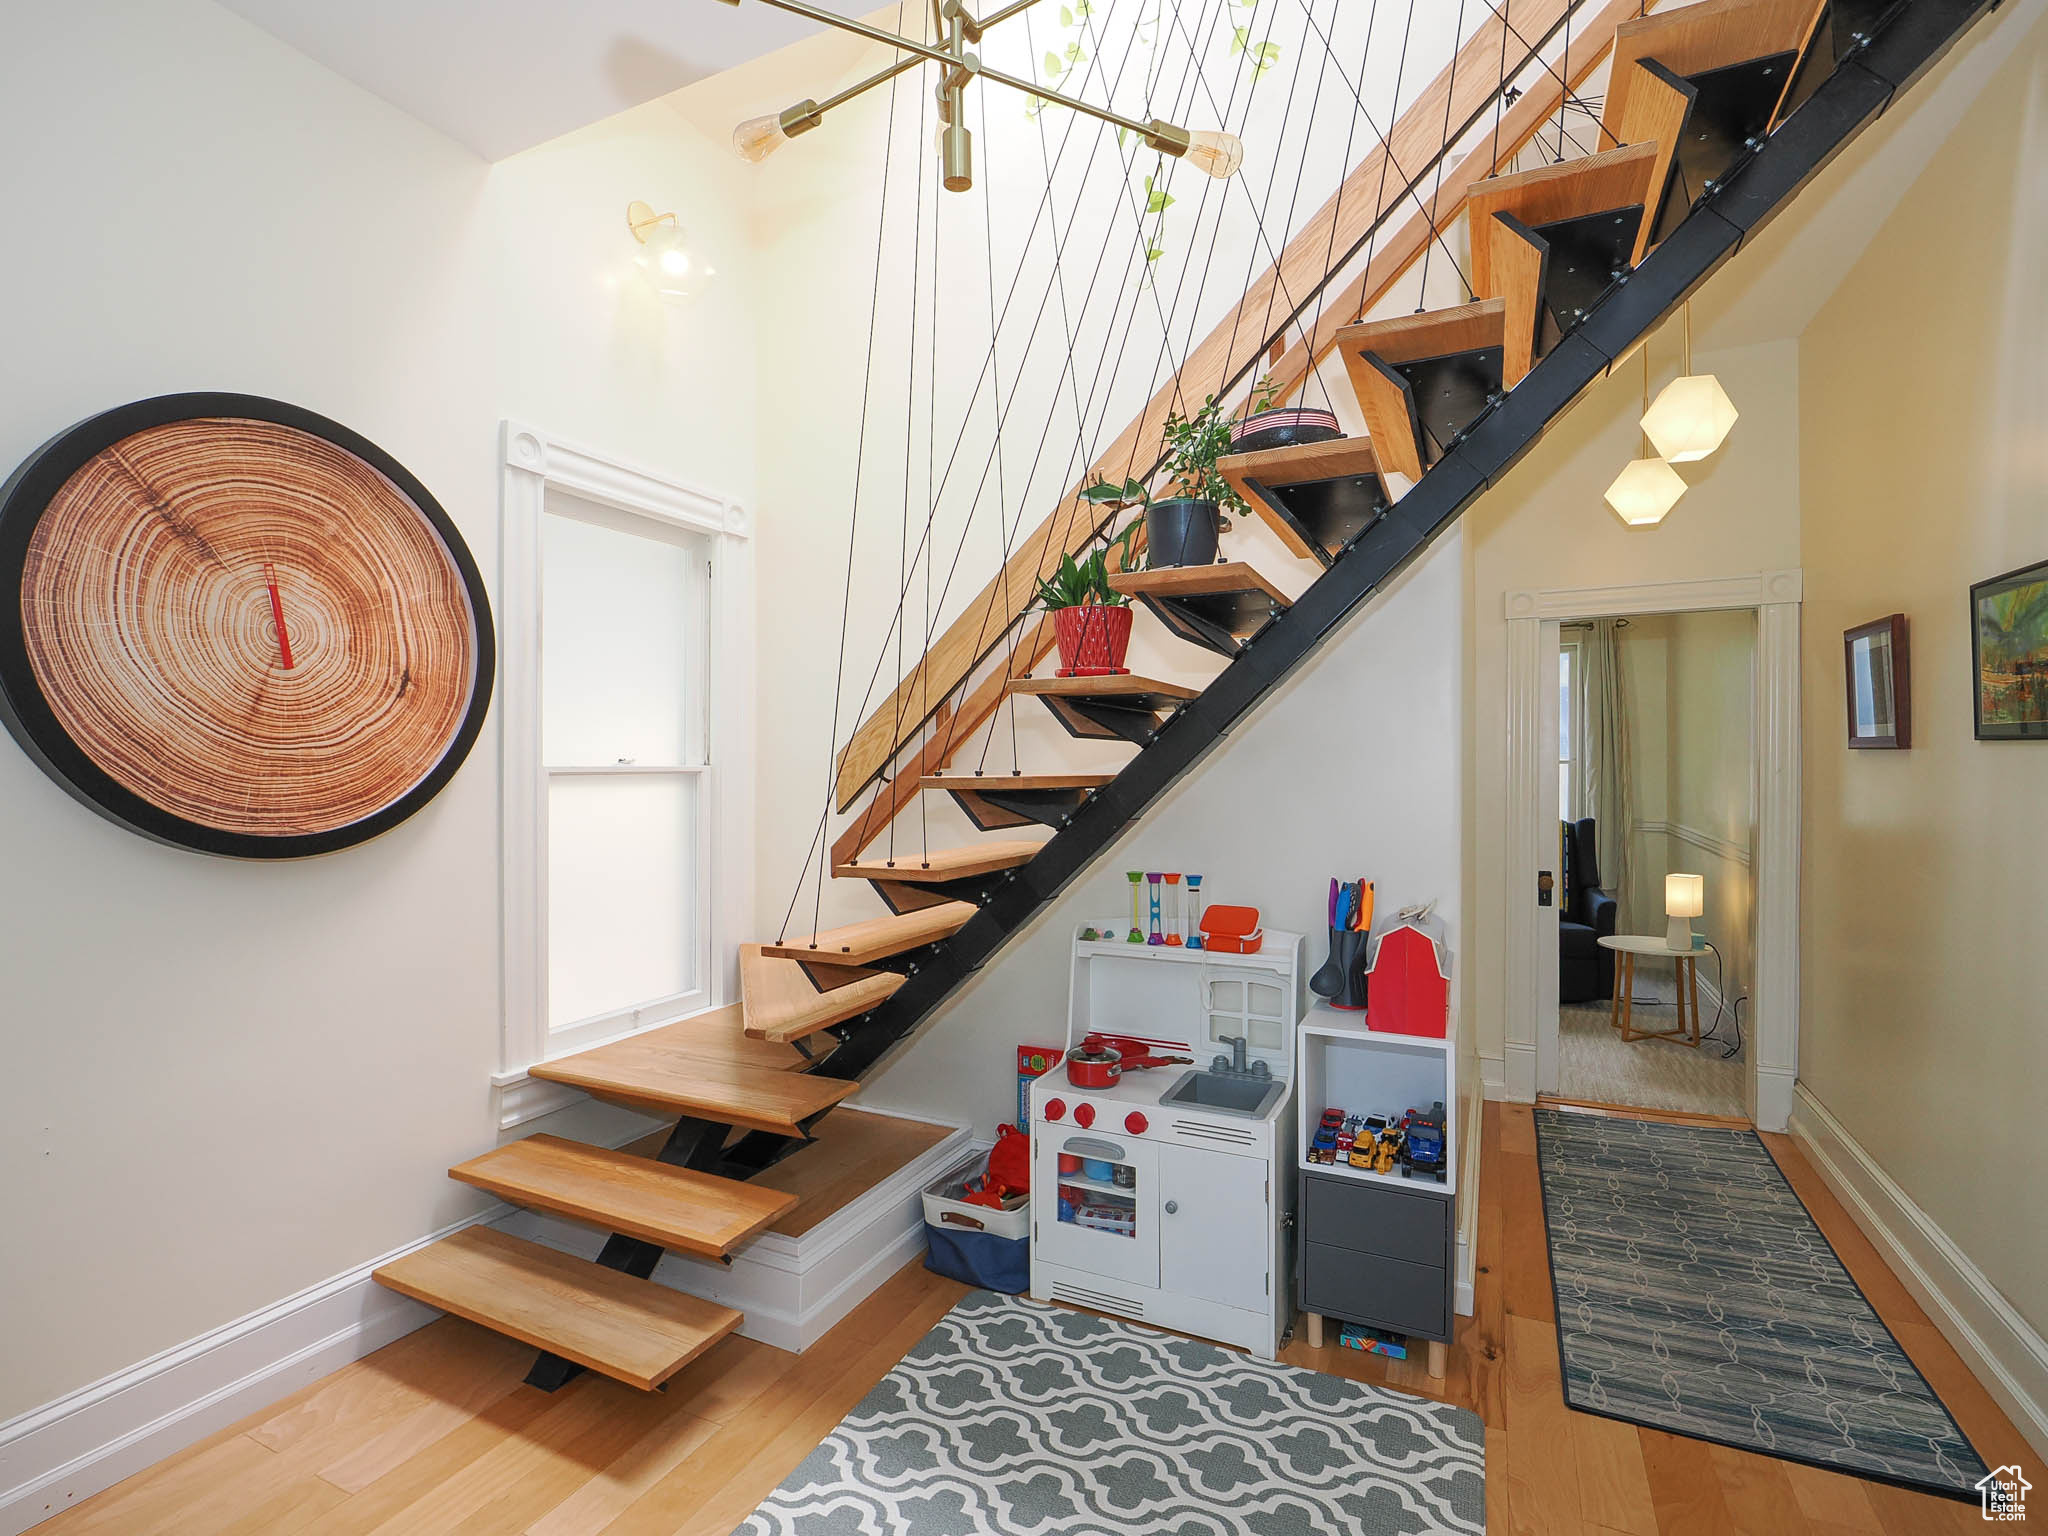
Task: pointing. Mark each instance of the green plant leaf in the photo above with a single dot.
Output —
(1066, 17)
(1052, 64)
(1153, 253)
(1074, 54)
(1240, 38)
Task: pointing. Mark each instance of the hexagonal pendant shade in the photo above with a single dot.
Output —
(1689, 419)
(1644, 492)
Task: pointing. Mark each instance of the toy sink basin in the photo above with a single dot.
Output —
(1225, 1092)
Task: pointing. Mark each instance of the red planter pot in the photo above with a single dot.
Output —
(1093, 639)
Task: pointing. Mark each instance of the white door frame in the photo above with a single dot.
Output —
(1533, 617)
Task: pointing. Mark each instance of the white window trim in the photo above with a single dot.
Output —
(532, 463)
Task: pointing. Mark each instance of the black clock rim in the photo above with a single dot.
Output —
(26, 497)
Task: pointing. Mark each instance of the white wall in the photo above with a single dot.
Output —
(1351, 769)
(225, 1081)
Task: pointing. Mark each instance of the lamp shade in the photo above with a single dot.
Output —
(1685, 895)
(1690, 418)
(1218, 153)
(759, 137)
(1644, 492)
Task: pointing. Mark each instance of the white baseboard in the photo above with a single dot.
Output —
(1998, 1345)
(69, 1449)
(1776, 1088)
(1519, 1086)
(1471, 1126)
(792, 1290)
(1493, 1077)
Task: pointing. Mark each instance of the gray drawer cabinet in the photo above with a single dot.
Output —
(1379, 1255)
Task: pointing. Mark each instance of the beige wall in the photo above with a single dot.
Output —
(1547, 527)
(226, 1081)
(1691, 681)
(1923, 468)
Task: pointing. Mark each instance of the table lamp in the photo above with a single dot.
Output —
(1685, 897)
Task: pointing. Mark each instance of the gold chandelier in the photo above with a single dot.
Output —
(1210, 150)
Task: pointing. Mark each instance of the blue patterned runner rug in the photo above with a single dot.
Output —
(1696, 1295)
(1015, 1417)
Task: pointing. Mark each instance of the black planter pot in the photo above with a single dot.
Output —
(1181, 531)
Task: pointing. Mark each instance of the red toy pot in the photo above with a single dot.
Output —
(1093, 639)
(1098, 1064)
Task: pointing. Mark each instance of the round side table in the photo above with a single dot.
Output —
(1626, 947)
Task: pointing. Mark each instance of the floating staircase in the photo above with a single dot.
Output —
(1716, 114)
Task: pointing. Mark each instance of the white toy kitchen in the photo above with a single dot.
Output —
(1160, 1196)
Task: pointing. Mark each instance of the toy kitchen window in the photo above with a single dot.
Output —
(1249, 1004)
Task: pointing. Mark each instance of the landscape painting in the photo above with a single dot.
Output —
(2009, 639)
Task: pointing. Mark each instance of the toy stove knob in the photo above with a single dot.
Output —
(1055, 1109)
(1135, 1123)
(1084, 1115)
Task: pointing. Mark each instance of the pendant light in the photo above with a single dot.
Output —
(1210, 150)
(671, 267)
(1649, 487)
(1693, 413)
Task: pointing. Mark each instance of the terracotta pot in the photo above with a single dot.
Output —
(1092, 639)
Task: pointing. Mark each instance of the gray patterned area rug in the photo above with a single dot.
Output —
(1012, 1416)
(1696, 1295)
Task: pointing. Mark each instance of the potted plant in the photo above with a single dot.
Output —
(1182, 526)
(1268, 424)
(1091, 621)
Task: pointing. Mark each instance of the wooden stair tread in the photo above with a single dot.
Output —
(633, 1330)
(1197, 581)
(677, 1208)
(943, 863)
(877, 938)
(1297, 464)
(1613, 178)
(1434, 333)
(783, 1005)
(718, 1036)
(969, 783)
(1711, 34)
(644, 1072)
(1102, 687)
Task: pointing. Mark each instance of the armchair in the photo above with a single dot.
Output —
(1585, 971)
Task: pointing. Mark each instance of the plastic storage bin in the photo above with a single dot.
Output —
(976, 1244)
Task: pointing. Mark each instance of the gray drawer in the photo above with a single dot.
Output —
(1369, 1288)
(1374, 1218)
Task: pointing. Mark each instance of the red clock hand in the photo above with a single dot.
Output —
(284, 640)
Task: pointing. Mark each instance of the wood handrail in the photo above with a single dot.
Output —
(1376, 185)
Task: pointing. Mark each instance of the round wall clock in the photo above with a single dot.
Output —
(236, 626)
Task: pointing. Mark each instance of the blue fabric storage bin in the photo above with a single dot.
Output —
(979, 1258)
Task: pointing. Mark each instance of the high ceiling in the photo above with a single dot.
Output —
(504, 75)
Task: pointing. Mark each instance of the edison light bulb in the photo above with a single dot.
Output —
(1690, 418)
(759, 137)
(1644, 492)
(1220, 154)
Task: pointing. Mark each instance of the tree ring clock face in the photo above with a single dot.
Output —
(236, 626)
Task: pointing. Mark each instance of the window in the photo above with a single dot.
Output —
(624, 739)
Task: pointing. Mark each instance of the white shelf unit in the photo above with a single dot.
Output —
(1157, 991)
(1346, 1066)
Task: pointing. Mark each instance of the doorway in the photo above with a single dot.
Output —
(1560, 637)
(1655, 783)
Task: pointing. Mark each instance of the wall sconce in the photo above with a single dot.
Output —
(1693, 413)
(1648, 487)
(674, 270)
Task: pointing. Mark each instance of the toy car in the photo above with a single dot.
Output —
(1390, 1149)
(1364, 1150)
(1324, 1148)
(1423, 1149)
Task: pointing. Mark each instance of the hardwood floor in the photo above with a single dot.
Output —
(435, 1434)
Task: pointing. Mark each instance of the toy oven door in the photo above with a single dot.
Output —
(1101, 1218)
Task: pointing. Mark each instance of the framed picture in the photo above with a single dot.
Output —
(2009, 649)
(1880, 684)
